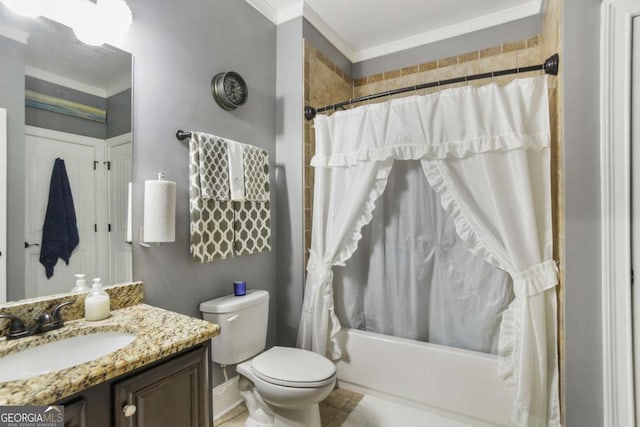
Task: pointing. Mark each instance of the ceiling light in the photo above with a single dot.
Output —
(104, 22)
(116, 13)
(90, 33)
(92, 23)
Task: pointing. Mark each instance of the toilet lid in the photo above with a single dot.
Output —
(293, 367)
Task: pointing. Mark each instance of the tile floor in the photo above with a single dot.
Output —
(334, 410)
(348, 409)
(373, 411)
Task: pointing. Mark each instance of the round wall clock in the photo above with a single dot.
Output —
(229, 90)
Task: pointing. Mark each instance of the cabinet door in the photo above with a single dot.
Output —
(169, 395)
(89, 408)
(75, 413)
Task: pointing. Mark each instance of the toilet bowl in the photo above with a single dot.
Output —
(281, 386)
(288, 383)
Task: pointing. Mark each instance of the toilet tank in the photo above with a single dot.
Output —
(243, 325)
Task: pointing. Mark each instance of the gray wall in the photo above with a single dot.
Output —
(494, 36)
(118, 109)
(119, 114)
(583, 316)
(62, 122)
(12, 99)
(289, 173)
(178, 47)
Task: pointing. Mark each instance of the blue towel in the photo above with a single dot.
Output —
(60, 232)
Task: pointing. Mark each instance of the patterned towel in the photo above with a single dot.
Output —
(256, 174)
(213, 163)
(253, 216)
(221, 228)
(211, 221)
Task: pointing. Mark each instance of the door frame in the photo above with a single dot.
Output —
(615, 195)
(3, 205)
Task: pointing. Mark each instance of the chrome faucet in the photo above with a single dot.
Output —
(44, 323)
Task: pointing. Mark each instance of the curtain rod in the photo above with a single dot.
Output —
(550, 66)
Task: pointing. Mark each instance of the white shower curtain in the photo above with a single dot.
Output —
(485, 152)
(413, 277)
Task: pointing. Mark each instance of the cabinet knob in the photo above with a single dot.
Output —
(129, 410)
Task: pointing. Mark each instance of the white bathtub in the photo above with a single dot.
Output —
(461, 383)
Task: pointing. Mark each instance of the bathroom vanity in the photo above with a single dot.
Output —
(171, 392)
(159, 378)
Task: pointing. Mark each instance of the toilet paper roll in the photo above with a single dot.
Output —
(159, 211)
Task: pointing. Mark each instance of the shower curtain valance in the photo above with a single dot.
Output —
(485, 151)
(455, 122)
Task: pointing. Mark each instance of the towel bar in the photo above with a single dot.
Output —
(182, 134)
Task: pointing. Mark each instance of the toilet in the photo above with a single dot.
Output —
(281, 386)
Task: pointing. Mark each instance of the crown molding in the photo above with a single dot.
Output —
(291, 12)
(515, 13)
(118, 87)
(301, 8)
(328, 32)
(265, 9)
(14, 34)
(64, 81)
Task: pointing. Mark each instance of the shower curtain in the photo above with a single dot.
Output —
(485, 152)
(413, 277)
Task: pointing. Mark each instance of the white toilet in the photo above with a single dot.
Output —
(282, 386)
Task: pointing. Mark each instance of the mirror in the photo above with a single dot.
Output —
(77, 107)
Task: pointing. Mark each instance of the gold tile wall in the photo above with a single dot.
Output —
(324, 83)
(336, 87)
(517, 54)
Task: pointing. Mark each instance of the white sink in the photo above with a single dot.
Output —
(61, 354)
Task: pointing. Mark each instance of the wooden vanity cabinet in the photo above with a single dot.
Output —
(75, 413)
(173, 392)
(90, 408)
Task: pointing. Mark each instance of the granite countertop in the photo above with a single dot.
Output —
(159, 333)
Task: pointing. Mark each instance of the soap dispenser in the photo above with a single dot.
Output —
(97, 305)
(81, 284)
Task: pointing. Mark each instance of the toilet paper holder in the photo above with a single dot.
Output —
(159, 213)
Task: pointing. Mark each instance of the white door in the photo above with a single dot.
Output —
(42, 147)
(3, 205)
(119, 153)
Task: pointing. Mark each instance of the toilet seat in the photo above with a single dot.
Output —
(293, 367)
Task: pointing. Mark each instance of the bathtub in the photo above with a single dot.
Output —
(459, 383)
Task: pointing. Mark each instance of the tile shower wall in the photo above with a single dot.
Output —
(325, 83)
